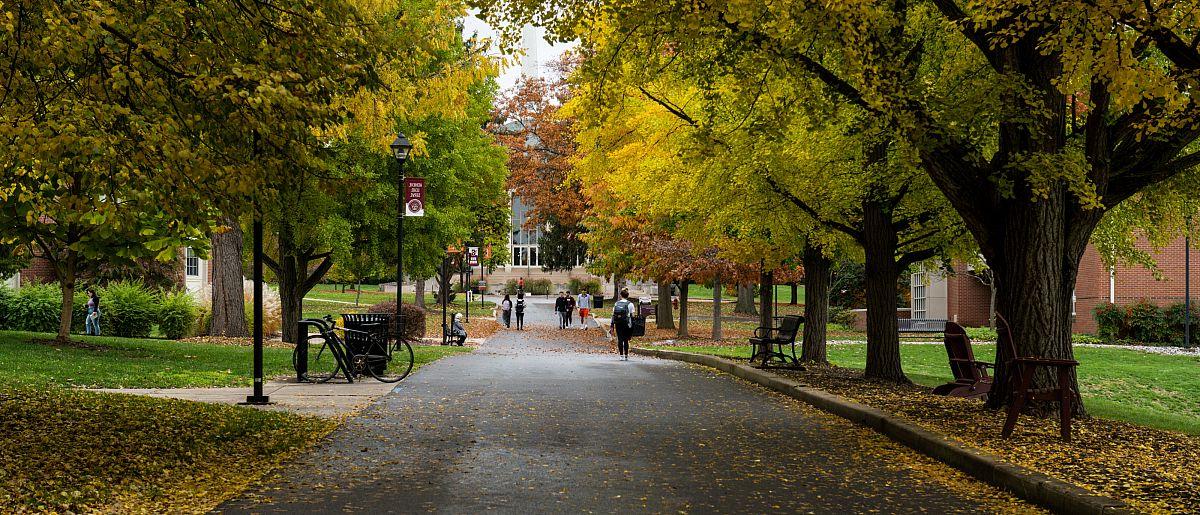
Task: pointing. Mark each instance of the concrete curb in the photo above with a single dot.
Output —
(1030, 485)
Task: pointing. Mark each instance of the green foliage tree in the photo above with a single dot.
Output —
(1032, 119)
(128, 122)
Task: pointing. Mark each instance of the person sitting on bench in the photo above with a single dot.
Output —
(458, 333)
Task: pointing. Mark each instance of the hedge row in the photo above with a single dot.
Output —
(127, 309)
(1145, 322)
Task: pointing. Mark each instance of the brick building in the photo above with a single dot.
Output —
(963, 298)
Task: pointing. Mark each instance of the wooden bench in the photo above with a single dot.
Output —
(920, 328)
(768, 342)
(971, 378)
(1019, 371)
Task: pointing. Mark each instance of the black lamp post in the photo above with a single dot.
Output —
(257, 397)
(400, 149)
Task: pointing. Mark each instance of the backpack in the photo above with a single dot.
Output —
(621, 312)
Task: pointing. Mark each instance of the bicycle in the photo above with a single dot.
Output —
(371, 354)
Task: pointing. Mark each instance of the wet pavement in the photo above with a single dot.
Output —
(549, 421)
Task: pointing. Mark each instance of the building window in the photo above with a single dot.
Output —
(192, 263)
(919, 296)
(524, 241)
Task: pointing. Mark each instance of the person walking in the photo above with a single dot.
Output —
(570, 314)
(458, 333)
(585, 308)
(622, 323)
(560, 305)
(520, 284)
(520, 311)
(506, 311)
(92, 323)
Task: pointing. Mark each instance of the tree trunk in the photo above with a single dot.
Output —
(880, 243)
(716, 321)
(228, 298)
(419, 290)
(66, 279)
(662, 315)
(818, 271)
(745, 299)
(683, 309)
(1035, 270)
(766, 311)
(795, 294)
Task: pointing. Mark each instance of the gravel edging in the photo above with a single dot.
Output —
(1028, 484)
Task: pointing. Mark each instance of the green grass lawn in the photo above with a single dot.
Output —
(1149, 389)
(783, 293)
(108, 362)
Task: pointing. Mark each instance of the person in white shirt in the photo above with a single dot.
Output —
(584, 303)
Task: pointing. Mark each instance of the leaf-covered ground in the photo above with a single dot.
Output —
(77, 451)
(1152, 469)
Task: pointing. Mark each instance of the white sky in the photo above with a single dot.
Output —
(538, 53)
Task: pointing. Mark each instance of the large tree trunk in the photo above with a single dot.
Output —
(818, 270)
(228, 299)
(795, 294)
(67, 272)
(683, 309)
(766, 310)
(1035, 270)
(745, 300)
(716, 321)
(662, 314)
(419, 290)
(880, 243)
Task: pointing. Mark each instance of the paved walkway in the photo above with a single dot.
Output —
(533, 422)
(326, 400)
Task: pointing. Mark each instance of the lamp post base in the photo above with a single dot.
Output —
(257, 400)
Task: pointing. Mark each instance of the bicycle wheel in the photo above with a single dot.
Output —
(322, 363)
(392, 366)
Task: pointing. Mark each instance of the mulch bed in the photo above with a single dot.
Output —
(74, 344)
(1153, 470)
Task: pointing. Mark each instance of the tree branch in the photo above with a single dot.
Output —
(832, 224)
(317, 274)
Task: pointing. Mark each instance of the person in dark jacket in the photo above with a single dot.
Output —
(570, 310)
(458, 333)
(520, 309)
(560, 307)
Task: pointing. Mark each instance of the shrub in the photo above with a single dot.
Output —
(176, 314)
(272, 308)
(414, 319)
(1086, 339)
(7, 299)
(510, 287)
(540, 286)
(36, 308)
(842, 316)
(574, 286)
(982, 334)
(1147, 322)
(1143, 322)
(592, 286)
(1110, 320)
(127, 309)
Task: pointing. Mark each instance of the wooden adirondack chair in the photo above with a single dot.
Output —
(1020, 372)
(971, 379)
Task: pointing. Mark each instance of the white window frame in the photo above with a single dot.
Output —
(920, 296)
(191, 264)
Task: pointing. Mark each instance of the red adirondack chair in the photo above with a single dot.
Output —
(1020, 371)
(971, 379)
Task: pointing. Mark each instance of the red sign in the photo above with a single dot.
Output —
(414, 196)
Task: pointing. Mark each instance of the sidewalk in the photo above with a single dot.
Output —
(331, 399)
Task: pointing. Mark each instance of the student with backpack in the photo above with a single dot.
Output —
(520, 310)
(622, 323)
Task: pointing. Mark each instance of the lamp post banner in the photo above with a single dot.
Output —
(472, 256)
(414, 196)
